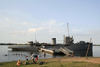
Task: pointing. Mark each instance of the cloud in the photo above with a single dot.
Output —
(36, 29)
(3, 26)
(42, 30)
(51, 31)
(61, 24)
(56, 30)
(24, 23)
(28, 23)
(94, 32)
(19, 31)
(7, 19)
(29, 30)
(87, 33)
(74, 30)
(53, 22)
(32, 29)
(10, 20)
(14, 35)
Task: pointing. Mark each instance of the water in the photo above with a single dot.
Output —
(9, 55)
(96, 50)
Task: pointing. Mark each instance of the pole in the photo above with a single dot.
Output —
(35, 38)
(88, 48)
(68, 28)
(63, 39)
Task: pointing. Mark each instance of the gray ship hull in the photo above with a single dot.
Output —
(23, 48)
(79, 49)
(73, 47)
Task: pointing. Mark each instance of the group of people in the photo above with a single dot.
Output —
(20, 63)
(27, 62)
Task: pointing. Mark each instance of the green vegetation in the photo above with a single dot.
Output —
(53, 63)
(96, 45)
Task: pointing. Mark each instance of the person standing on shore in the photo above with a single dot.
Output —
(32, 56)
(36, 58)
(44, 54)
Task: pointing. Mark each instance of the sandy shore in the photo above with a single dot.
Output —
(89, 59)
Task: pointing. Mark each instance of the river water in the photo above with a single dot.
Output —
(9, 55)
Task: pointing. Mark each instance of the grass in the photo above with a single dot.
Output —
(52, 63)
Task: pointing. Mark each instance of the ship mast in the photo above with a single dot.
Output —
(68, 28)
(35, 38)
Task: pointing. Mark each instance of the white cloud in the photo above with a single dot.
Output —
(16, 31)
(36, 29)
(2, 26)
(7, 19)
(88, 33)
(14, 35)
(56, 31)
(51, 31)
(29, 31)
(24, 23)
(10, 20)
(61, 24)
(32, 29)
(53, 23)
(94, 33)
(76, 30)
(28, 23)
(23, 31)
(19, 31)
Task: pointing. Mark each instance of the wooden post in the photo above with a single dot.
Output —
(88, 48)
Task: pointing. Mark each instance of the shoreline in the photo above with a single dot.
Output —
(60, 62)
(89, 59)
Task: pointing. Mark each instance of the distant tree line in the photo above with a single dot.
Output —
(8, 43)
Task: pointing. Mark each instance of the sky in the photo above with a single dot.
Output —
(26, 20)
